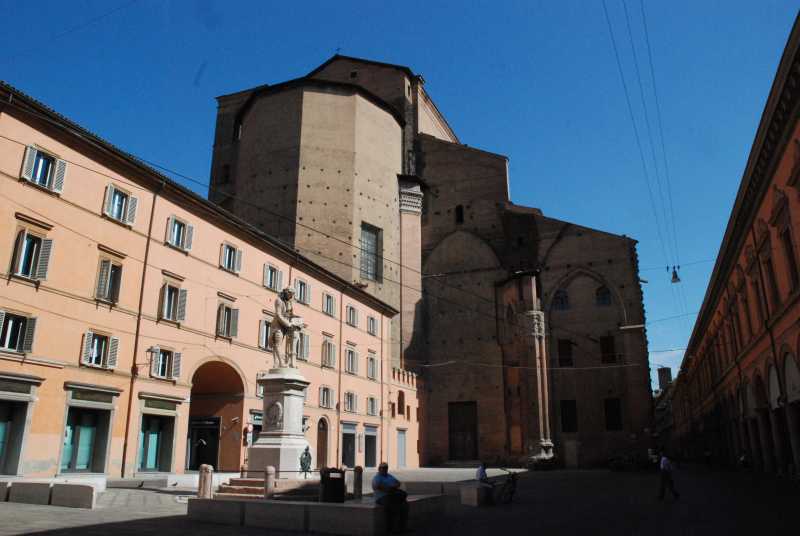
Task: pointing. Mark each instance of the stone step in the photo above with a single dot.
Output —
(249, 482)
(238, 497)
(244, 490)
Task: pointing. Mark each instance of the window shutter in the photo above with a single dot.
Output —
(115, 289)
(333, 355)
(2, 318)
(17, 251)
(222, 255)
(102, 280)
(182, 294)
(297, 288)
(28, 162)
(234, 323)
(154, 357)
(306, 345)
(30, 329)
(168, 233)
(280, 280)
(238, 260)
(265, 277)
(161, 301)
(133, 202)
(321, 400)
(355, 362)
(44, 258)
(262, 329)
(113, 346)
(108, 200)
(308, 293)
(59, 176)
(86, 358)
(176, 365)
(187, 242)
(220, 319)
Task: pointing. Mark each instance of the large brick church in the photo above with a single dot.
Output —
(526, 331)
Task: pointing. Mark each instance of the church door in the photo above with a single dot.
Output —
(463, 430)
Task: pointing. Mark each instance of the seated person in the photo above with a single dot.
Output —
(389, 495)
(484, 482)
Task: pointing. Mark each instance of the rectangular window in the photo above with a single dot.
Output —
(772, 284)
(325, 397)
(328, 353)
(351, 361)
(328, 305)
(230, 258)
(608, 353)
(372, 406)
(569, 416)
(272, 277)
(16, 332)
(350, 402)
(372, 367)
(165, 364)
(99, 350)
(109, 279)
(173, 303)
(31, 257)
(371, 252)
(791, 259)
(613, 411)
(227, 321)
(264, 327)
(43, 169)
(301, 345)
(120, 205)
(352, 316)
(372, 325)
(260, 390)
(302, 291)
(179, 233)
(565, 353)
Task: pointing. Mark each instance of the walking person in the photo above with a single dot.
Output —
(389, 495)
(665, 469)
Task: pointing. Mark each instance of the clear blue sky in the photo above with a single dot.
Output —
(535, 80)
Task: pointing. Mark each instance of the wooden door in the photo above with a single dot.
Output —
(463, 430)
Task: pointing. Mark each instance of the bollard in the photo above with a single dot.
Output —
(269, 481)
(205, 483)
(358, 482)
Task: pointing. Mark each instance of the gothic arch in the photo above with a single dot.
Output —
(449, 254)
(583, 271)
(791, 377)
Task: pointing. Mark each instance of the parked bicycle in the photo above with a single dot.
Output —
(506, 494)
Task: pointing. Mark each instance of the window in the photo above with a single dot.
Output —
(264, 333)
(351, 361)
(372, 325)
(16, 332)
(99, 350)
(613, 410)
(173, 303)
(273, 278)
(227, 321)
(259, 389)
(561, 300)
(230, 258)
(302, 291)
(401, 403)
(352, 316)
(569, 416)
(350, 402)
(565, 353)
(120, 205)
(301, 345)
(32, 255)
(608, 352)
(371, 252)
(43, 170)
(372, 405)
(372, 367)
(109, 278)
(165, 364)
(460, 214)
(179, 233)
(602, 296)
(328, 304)
(325, 397)
(791, 260)
(328, 353)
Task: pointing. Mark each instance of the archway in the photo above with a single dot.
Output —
(216, 418)
(322, 443)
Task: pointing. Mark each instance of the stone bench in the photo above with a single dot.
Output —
(475, 494)
(49, 493)
(361, 518)
(73, 495)
(29, 492)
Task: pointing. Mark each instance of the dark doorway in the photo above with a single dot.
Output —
(348, 445)
(370, 446)
(322, 444)
(203, 442)
(463, 430)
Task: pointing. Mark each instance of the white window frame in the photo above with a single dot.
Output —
(25, 332)
(230, 264)
(372, 325)
(328, 353)
(372, 366)
(176, 313)
(352, 316)
(372, 406)
(108, 359)
(105, 289)
(350, 360)
(350, 402)
(56, 174)
(228, 328)
(273, 277)
(186, 239)
(302, 290)
(167, 359)
(302, 344)
(325, 397)
(329, 299)
(41, 260)
(264, 334)
(128, 216)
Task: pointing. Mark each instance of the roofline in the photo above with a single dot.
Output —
(69, 127)
(439, 113)
(463, 146)
(315, 82)
(756, 178)
(333, 58)
(583, 227)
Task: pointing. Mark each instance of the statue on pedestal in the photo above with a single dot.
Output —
(285, 325)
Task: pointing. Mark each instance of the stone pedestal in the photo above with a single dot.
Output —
(281, 441)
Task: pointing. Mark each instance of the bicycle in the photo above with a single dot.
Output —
(506, 494)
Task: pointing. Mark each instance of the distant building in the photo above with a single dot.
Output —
(664, 377)
(356, 167)
(738, 390)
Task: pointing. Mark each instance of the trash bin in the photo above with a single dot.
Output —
(332, 482)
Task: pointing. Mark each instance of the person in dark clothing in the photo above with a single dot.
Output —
(389, 495)
(665, 470)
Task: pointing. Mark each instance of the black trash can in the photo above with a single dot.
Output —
(332, 482)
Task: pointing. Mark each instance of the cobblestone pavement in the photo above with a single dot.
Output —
(559, 502)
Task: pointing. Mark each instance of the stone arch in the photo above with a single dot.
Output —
(791, 377)
(461, 250)
(759, 390)
(583, 271)
(773, 388)
(231, 363)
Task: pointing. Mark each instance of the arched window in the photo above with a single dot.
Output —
(602, 296)
(561, 300)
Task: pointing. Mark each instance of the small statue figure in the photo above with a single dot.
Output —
(275, 416)
(305, 462)
(285, 325)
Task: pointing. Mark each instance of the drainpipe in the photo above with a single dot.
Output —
(134, 367)
(339, 363)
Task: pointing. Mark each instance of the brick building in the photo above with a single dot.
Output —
(134, 322)
(355, 158)
(738, 390)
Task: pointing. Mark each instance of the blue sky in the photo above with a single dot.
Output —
(536, 80)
